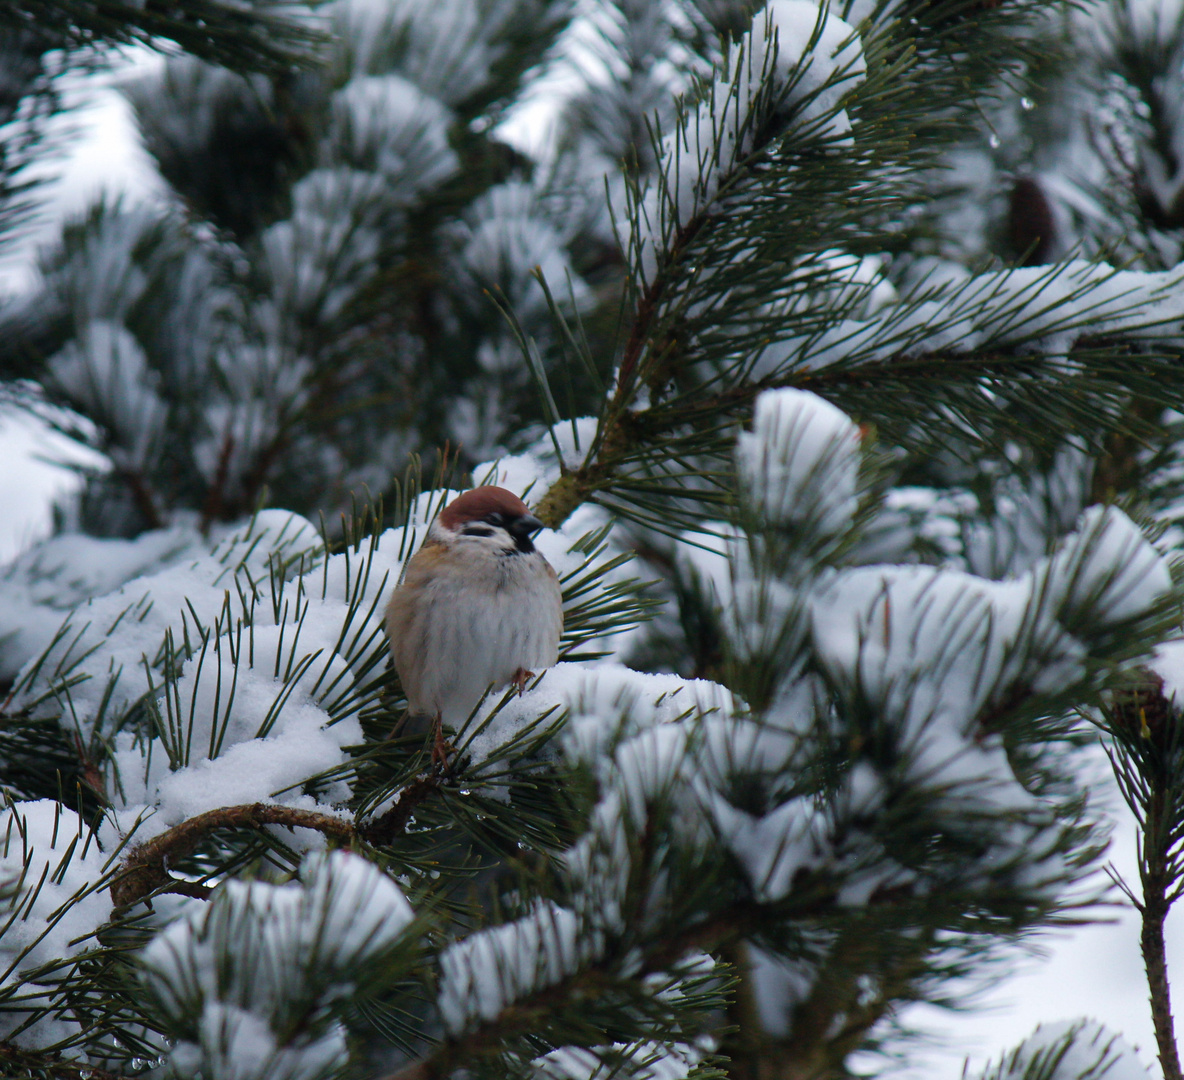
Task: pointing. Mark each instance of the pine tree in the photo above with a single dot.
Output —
(861, 464)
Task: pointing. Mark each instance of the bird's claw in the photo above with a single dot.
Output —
(520, 679)
(441, 748)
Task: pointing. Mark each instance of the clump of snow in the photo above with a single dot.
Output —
(912, 518)
(638, 1061)
(445, 48)
(318, 259)
(779, 984)
(929, 648)
(835, 281)
(104, 374)
(1030, 511)
(713, 559)
(1168, 664)
(800, 464)
(799, 58)
(1070, 1050)
(1026, 307)
(41, 586)
(818, 53)
(604, 701)
(246, 985)
(1106, 572)
(387, 125)
(504, 240)
(236, 1044)
(490, 969)
(272, 769)
(101, 661)
(52, 901)
(798, 55)
(530, 473)
(771, 849)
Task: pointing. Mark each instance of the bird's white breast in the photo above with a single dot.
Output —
(481, 619)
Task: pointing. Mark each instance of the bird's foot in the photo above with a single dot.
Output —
(441, 748)
(520, 679)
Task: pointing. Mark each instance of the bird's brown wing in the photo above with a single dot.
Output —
(406, 622)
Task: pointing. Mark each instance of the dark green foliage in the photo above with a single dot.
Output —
(263, 36)
(356, 269)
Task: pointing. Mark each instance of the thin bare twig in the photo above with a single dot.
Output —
(144, 871)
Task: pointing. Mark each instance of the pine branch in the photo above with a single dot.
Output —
(1147, 764)
(522, 1016)
(382, 831)
(955, 378)
(1153, 911)
(240, 37)
(678, 329)
(145, 870)
(811, 898)
(835, 1019)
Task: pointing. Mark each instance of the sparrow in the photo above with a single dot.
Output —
(479, 607)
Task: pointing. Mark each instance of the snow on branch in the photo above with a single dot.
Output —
(1070, 1050)
(222, 686)
(637, 1061)
(481, 975)
(52, 900)
(933, 650)
(800, 464)
(1039, 307)
(793, 68)
(93, 674)
(104, 375)
(248, 985)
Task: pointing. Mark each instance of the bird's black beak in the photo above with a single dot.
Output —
(528, 524)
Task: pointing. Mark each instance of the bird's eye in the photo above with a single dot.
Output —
(495, 519)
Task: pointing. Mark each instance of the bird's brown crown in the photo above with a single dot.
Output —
(478, 503)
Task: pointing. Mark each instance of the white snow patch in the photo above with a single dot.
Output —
(929, 648)
(143, 610)
(639, 1061)
(50, 868)
(770, 849)
(1168, 664)
(1071, 1050)
(605, 702)
(1034, 308)
(42, 585)
(798, 54)
(800, 464)
(233, 977)
(491, 969)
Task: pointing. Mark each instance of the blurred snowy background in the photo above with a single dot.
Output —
(1094, 971)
